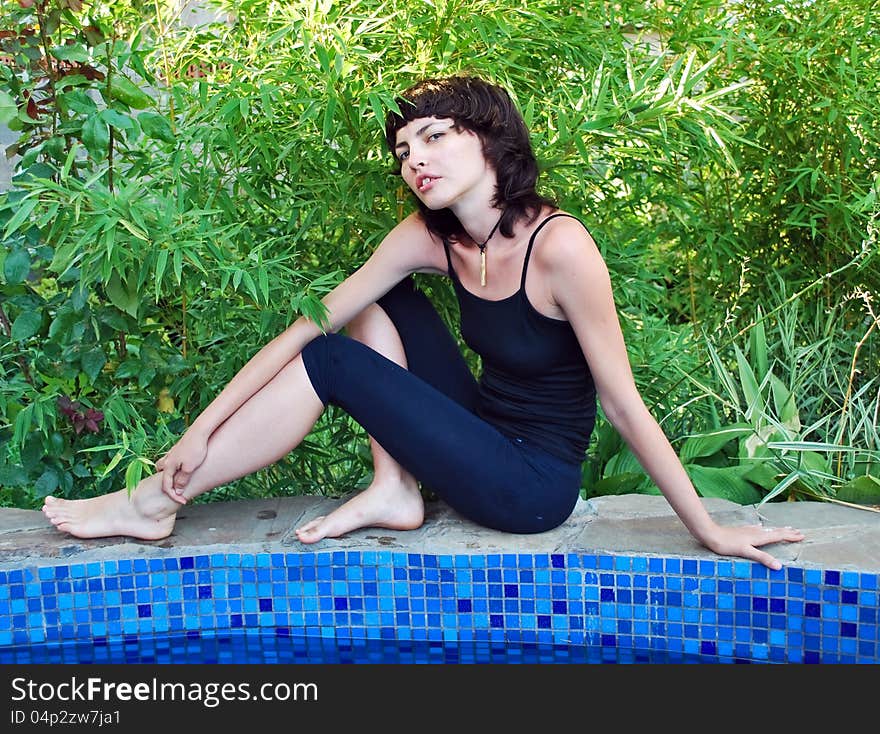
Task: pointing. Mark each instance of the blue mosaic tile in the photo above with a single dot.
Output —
(735, 610)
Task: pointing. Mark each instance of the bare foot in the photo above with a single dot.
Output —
(137, 516)
(396, 505)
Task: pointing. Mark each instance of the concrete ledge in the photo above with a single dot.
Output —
(838, 537)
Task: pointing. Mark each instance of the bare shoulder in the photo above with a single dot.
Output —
(412, 245)
(566, 247)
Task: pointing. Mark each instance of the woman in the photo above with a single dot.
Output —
(536, 304)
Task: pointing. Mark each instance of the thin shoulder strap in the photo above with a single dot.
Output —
(522, 283)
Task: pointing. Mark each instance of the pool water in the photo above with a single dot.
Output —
(284, 647)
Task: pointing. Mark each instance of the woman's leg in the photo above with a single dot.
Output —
(404, 315)
(393, 498)
(497, 481)
(264, 429)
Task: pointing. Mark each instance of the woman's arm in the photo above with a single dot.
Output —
(408, 248)
(581, 286)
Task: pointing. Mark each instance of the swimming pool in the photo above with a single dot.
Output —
(386, 606)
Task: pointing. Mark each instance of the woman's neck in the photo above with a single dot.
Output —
(478, 221)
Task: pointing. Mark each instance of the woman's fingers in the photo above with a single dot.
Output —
(777, 535)
(766, 536)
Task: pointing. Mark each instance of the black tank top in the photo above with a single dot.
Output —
(536, 384)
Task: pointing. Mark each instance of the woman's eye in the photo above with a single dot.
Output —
(435, 136)
(403, 155)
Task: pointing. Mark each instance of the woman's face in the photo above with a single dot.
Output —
(442, 163)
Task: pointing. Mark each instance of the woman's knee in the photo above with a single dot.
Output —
(318, 357)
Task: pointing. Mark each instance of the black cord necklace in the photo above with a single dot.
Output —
(482, 247)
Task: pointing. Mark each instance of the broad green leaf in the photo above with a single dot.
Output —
(26, 325)
(8, 108)
(863, 490)
(117, 119)
(707, 444)
(96, 136)
(93, 362)
(726, 483)
(122, 295)
(74, 52)
(764, 473)
(626, 483)
(156, 126)
(47, 483)
(78, 101)
(623, 462)
(17, 266)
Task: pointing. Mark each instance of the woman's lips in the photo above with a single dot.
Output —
(425, 183)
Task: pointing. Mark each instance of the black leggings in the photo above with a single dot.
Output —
(425, 417)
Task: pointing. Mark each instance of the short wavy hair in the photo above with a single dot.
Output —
(487, 110)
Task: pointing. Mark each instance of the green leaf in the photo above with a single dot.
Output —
(782, 485)
(117, 457)
(723, 374)
(761, 472)
(156, 126)
(22, 214)
(707, 444)
(161, 264)
(133, 474)
(78, 101)
(329, 112)
(749, 384)
(47, 483)
(17, 266)
(13, 476)
(626, 483)
(126, 91)
(785, 404)
(726, 483)
(93, 362)
(123, 295)
(117, 119)
(26, 325)
(96, 136)
(73, 52)
(8, 108)
(623, 462)
(759, 344)
(864, 490)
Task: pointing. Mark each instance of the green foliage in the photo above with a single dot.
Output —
(781, 430)
(182, 194)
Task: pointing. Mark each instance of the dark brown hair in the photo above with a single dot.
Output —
(487, 110)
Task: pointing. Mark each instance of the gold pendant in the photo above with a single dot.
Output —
(482, 267)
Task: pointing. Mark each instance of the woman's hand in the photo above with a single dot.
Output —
(180, 462)
(745, 540)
